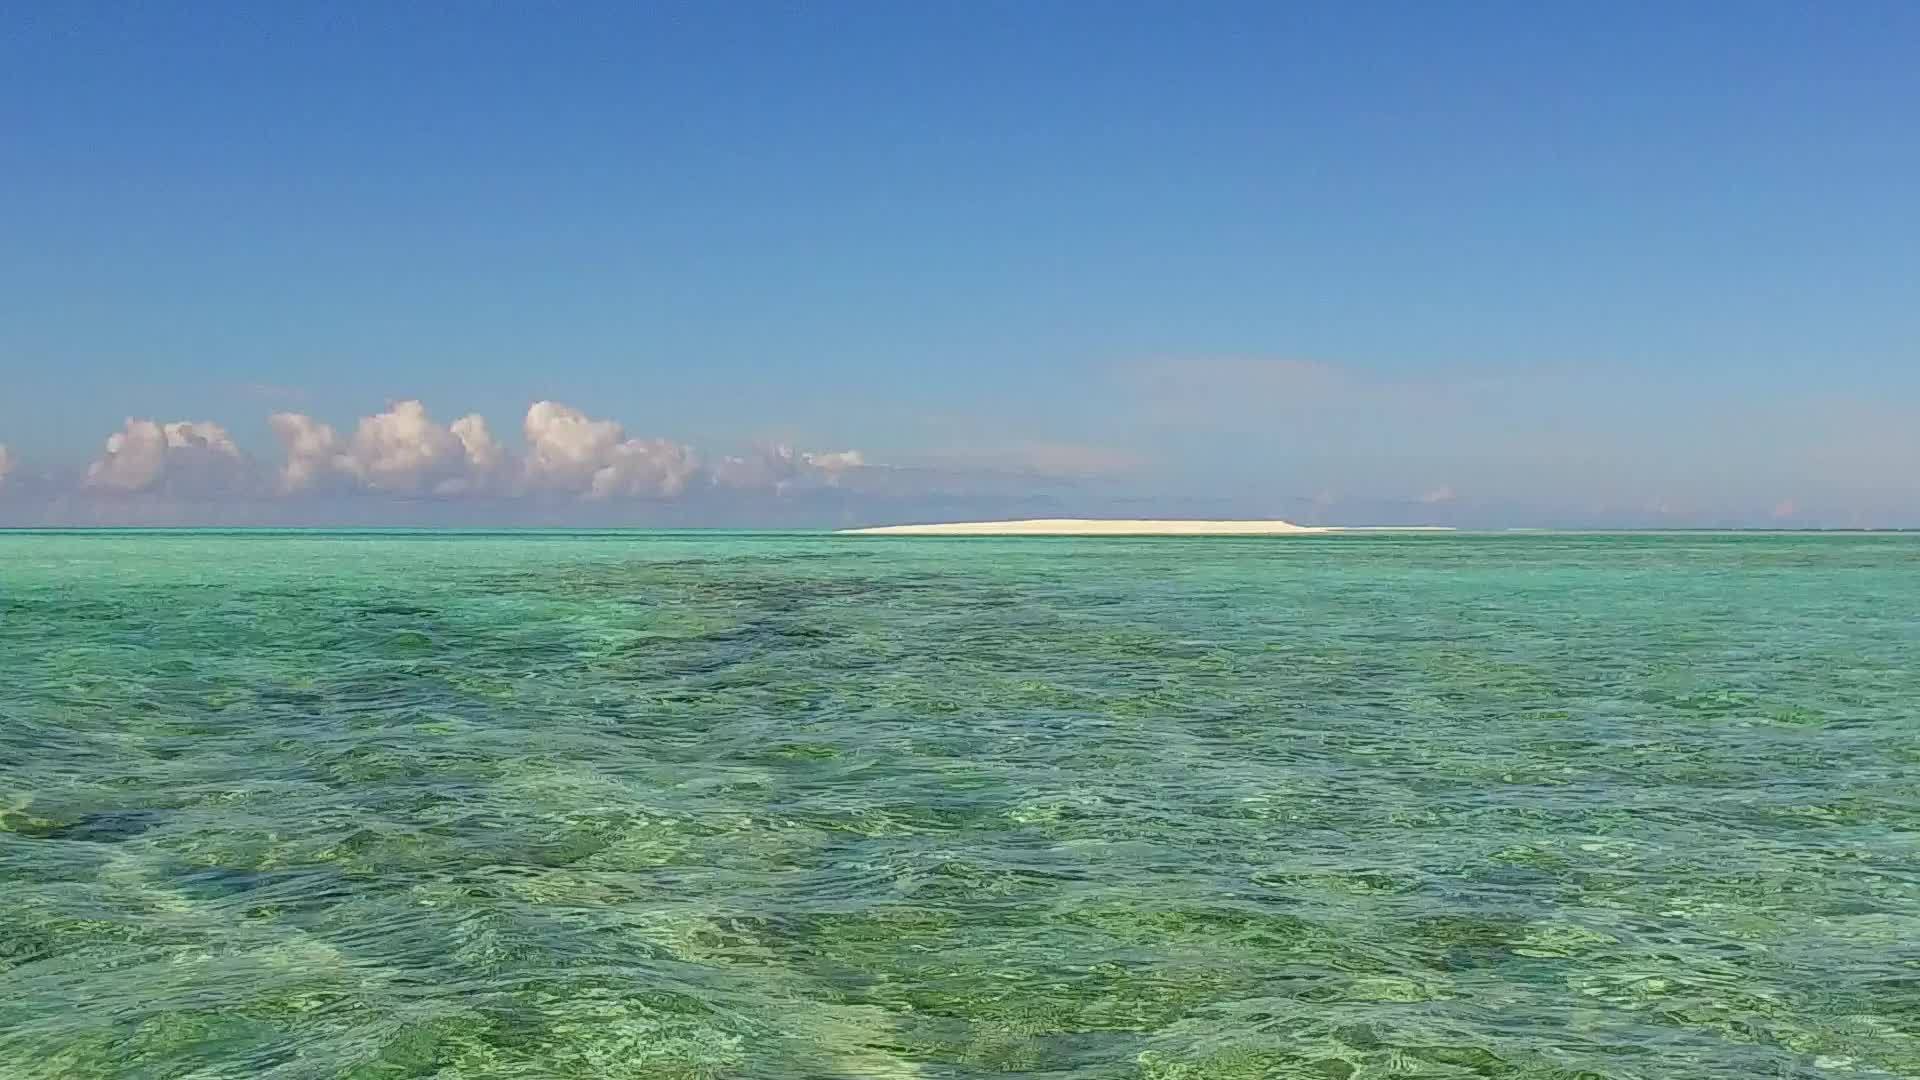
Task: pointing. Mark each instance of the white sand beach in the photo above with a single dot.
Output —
(1094, 527)
(1127, 527)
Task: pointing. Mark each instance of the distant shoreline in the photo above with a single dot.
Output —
(1124, 527)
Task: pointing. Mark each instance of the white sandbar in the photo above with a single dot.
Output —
(1094, 527)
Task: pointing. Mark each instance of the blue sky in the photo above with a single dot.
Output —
(1477, 263)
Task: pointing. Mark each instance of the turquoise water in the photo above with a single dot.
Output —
(755, 805)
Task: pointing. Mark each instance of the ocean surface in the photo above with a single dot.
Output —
(650, 805)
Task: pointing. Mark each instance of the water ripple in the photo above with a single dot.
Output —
(652, 805)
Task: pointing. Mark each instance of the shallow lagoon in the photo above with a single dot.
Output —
(639, 805)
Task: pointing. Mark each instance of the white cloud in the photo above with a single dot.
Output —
(314, 457)
(644, 467)
(564, 447)
(1442, 494)
(834, 462)
(183, 457)
(402, 451)
(485, 456)
(6, 463)
(780, 466)
(570, 452)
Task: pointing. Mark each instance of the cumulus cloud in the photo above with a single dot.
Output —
(314, 454)
(570, 452)
(564, 447)
(485, 456)
(402, 451)
(1442, 494)
(644, 467)
(6, 463)
(183, 457)
(779, 467)
(836, 461)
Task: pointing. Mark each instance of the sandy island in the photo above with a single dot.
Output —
(1106, 527)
